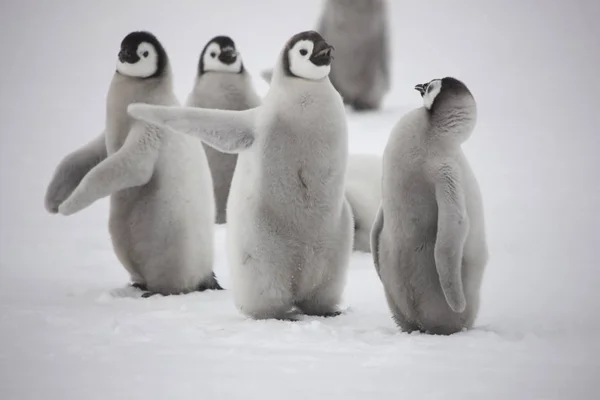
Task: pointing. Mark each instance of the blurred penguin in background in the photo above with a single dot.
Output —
(358, 30)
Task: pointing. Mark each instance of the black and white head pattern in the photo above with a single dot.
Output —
(437, 90)
(220, 55)
(307, 55)
(141, 56)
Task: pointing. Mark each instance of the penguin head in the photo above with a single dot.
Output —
(308, 56)
(439, 91)
(220, 55)
(141, 56)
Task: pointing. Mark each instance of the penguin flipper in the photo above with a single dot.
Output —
(452, 230)
(71, 170)
(132, 165)
(375, 234)
(226, 130)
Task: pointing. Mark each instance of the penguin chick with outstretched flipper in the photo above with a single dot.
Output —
(428, 240)
(161, 204)
(222, 83)
(290, 227)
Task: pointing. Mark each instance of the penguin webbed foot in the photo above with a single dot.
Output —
(328, 314)
(209, 284)
(140, 286)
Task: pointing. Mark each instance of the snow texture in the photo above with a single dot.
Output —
(69, 329)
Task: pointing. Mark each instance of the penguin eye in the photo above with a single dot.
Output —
(213, 54)
(303, 52)
(145, 54)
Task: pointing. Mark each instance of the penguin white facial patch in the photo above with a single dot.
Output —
(212, 59)
(300, 64)
(433, 89)
(144, 67)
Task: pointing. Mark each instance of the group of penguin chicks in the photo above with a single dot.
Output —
(276, 170)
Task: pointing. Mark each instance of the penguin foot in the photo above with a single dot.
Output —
(330, 314)
(359, 105)
(209, 284)
(148, 294)
(140, 286)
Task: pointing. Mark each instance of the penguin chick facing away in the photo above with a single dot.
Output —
(290, 227)
(161, 204)
(428, 239)
(358, 31)
(222, 83)
(363, 192)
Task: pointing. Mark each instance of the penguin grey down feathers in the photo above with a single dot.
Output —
(289, 227)
(161, 205)
(358, 31)
(428, 239)
(222, 83)
(363, 192)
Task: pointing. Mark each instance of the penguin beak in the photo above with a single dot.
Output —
(228, 56)
(421, 87)
(322, 53)
(128, 56)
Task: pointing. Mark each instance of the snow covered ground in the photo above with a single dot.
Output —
(69, 329)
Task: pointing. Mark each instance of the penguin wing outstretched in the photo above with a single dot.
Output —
(71, 170)
(226, 130)
(132, 165)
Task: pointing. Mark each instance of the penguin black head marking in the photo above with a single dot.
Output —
(438, 90)
(220, 55)
(141, 56)
(307, 55)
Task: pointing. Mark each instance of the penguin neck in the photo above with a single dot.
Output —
(125, 90)
(453, 123)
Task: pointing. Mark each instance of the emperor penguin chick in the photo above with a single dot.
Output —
(222, 83)
(290, 228)
(428, 239)
(161, 205)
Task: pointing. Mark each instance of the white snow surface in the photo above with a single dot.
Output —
(69, 329)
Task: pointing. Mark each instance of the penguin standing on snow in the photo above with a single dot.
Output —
(161, 204)
(222, 83)
(428, 239)
(290, 227)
